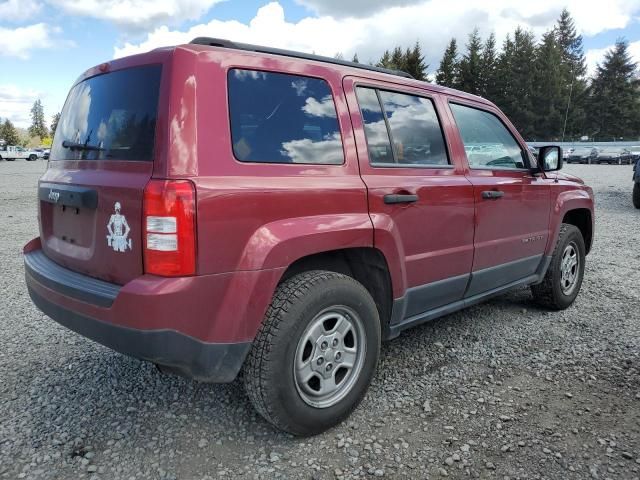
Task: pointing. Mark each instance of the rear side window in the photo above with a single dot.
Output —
(282, 118)
(110, 117)
(407, 123)
(487, 142)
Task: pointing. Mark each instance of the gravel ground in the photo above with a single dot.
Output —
(502, 390)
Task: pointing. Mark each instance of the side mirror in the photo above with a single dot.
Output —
(550, 158)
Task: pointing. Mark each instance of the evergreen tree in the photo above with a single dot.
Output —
(572, 71)
(447, 74)
(414, 62)
(54, 123)
(488, 64)
(570, 44)
(514, 73)
(614, 104)
(9, 133)
(470, 65)
(38, 127)
(398, 60)
(385, 60)
(355, 58)
(549, 101)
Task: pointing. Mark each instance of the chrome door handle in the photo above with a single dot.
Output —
(398, 198)
(492, 194)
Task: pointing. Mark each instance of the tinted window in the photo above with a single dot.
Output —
(281, 118)
(110, 116)
(415, 130)
(375, 127)
(487, 141)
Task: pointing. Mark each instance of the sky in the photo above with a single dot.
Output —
(46, 44)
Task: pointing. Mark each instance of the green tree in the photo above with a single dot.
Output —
(38, 127)
(572, 71)
(471, 65)
(398, 60)
(447, 74)
(385, 60)
(355, 58)
(9, 133)
(488, 65)
(614, 103)
(514, 74)
(414, 62)
(549, 99)
(54, 123)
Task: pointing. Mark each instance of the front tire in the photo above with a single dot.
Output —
(562, 282)
(315, 353)
(636, 195)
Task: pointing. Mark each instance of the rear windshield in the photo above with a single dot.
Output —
(110, 117)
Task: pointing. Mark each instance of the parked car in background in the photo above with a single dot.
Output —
(636, 184)
(566, 153)
(292, 255)
(609, 155)
(47, 151)
(39, 152)
(635, 154)
(582, 155)
(626, 158)
(12, 153)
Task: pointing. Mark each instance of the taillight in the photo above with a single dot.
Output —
(169, 228)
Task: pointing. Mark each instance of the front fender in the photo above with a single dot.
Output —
(280, 243)
(567, 200)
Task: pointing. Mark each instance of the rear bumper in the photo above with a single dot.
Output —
(201, 327)
(187, 356)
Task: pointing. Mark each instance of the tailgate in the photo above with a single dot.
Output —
(90, 197)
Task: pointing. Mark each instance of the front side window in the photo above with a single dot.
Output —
(409, 121)
(487, 141)
(375, 127)
(282, 118)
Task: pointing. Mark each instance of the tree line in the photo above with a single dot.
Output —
(542, 86)
(38, 134)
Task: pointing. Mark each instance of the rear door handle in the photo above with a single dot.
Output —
(399, 198)
(492, 194)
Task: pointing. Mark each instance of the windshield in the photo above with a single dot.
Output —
(110, 116)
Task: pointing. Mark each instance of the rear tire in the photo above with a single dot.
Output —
(636, 195)
(32, 158)
(562, 282)
(293, 375)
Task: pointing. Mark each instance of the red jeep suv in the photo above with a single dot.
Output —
(217, 206)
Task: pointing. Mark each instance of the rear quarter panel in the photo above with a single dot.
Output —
(254, 216)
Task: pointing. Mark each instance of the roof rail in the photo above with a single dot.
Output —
(220, 42)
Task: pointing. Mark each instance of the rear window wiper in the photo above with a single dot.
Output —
(80, 146)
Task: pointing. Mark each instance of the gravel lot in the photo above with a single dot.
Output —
(502, 390)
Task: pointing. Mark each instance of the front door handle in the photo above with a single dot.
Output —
(492, 194)
(399, 198)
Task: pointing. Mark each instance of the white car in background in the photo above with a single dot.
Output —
(11, 153)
